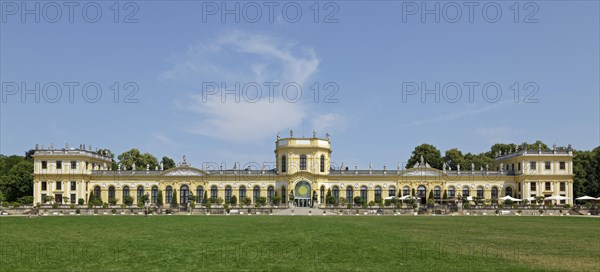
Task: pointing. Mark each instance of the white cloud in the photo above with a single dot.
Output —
(455, 115)
(500, 134)
(238, 57)
(163, 139)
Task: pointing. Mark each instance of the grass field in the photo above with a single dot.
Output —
(217, 243)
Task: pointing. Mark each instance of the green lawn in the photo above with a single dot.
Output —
(193, 243)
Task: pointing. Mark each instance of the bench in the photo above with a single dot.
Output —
(234, 212)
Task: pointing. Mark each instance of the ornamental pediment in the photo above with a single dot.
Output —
(184, 171)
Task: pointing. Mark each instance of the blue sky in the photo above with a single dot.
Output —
(371, 53)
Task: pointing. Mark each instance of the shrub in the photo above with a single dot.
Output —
(38, 205)
(588, 205)
(247, 201)
(466, 205)
(77, 211)
(371, 203)
(128, 200)
(388, 202)
(15, 204)
(357, 200)
(26, 200)
(515, 206)
(349, 206)
(159, 199)
(72, 206)
(365, 205)
(567, 206)
(105, 205)
(233, 200)
(80, 201)
(54, 205)
(541, 211)
(415, 205)
(113, 211)
(399, 205)
(90, 205)
(113, 201)
(501, 206)
(519, 211)
(219, 201)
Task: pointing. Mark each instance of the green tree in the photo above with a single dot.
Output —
(430, 154)
(167, 163)
(18, 182)
(454, 157)
(159, 198)
(586, 170)
(128, 158)
(174, 198)
(233, 200)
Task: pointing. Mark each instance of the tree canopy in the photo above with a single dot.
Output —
(430, 154)
(128, 158)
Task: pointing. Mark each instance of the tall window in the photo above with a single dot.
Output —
(58, 164)
(199, 194)
(44, 165)
(508, 191)
(213, 192)
(302, 162)
(125, 191)
(437, 192)
(336, 194)
(562, 165)
(494, 192)
(227, 194)
(44, 186)
(547, 165)
(322, 164)
(242, 192)
(519, 166)
(73, 198)
(168, 195)
(97, 193)
(392, 191)
(73, 164)
(532, 165)
(283, 164)
(73, 185)
(58, 185)
(377, 193)
(140, 193)
(255, 194)
(451, 192)
(111, 193)
(154, 194)
(322, 194)
(270, 194)
(349, 194)
(283, 194)
(405, 191)
(562, 186)
(533, 186)
(465, 191)
(548, 185)
(363, 194)
(184, 193)
(480, 192)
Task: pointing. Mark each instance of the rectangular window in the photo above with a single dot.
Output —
(532, 165)
(73, 198)
(44, 165)
(73, 164)
(563, 165)
(58, 164)
(302, 162)
(547, 165)
(43, 198)
(44, 186)
(58, 185)
(562, 186)
(519, 166)
(73, 185)
(548, 186)
(532, 186)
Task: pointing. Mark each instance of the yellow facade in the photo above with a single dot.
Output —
(303, 171)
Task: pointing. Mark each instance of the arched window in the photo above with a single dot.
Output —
(322, 194)
(283, 164)
(494, 192)
(199, 194)
(322, 164)
(336, 194)
(465, 191)
(227, 194)
(214, 192)
(392, 191)
(255, 194)
(283, 194)
(302, 162)
(168, 194)
(97, 194)
(451, 192)
(184, 193)
(242, 192)
(421, 191)
(405, 191)
(140, 193)
(270, 194)
(154, 195)
(480, 192)
(363, 194)
(437, 191)
(349, 194)
(377, 193)
(125, 192)
(111, 193)
(508, 191)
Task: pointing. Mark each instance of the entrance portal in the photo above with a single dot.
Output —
(302, 194)
(421, 194)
